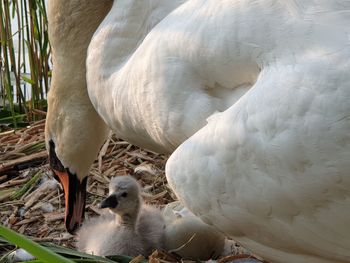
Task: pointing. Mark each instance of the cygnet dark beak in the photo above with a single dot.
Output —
(110, 202)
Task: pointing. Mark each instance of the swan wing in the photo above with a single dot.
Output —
(272, 171)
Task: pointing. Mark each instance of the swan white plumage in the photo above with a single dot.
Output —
(270, 167)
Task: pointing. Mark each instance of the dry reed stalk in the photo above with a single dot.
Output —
(33, 47)
(13, 182)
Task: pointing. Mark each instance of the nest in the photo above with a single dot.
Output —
(32, 202)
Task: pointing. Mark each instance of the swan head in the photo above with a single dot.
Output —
(74, 132)
(124, 196)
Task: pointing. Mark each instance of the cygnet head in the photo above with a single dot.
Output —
(124, 196)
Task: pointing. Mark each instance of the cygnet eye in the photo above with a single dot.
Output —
(125, 194)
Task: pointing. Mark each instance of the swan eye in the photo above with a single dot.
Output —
(125, 194)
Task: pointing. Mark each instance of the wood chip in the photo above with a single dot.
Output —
(49, 217)
(8, 165)
(150, 197)
(137, 259)
(28, 220)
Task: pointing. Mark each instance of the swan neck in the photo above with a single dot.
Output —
(120, 33)
(71, 119)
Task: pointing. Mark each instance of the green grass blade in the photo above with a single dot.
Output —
(18, 117)
(4, 57)
(76, 256)
(28, 80)
(31, 247)
(67, 252)
(26, 186)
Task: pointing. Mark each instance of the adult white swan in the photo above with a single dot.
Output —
(271, 166)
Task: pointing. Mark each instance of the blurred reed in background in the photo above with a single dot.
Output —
(25, 68)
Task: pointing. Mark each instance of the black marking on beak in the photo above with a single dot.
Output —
(75, 209)
(110, 202)
(55, 163)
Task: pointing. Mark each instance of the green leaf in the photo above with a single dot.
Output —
(38, 251)
(13, 9)
(73, 253)
(28, 80)
(77, 256)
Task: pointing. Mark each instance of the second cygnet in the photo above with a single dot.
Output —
(189, 237)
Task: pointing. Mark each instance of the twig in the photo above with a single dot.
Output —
(28, 220)
(13, 182)
(23, 162)
(53, 217)
(182, 246)
(234, 257)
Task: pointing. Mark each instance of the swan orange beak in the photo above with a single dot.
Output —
(75, 195)
(74, 191)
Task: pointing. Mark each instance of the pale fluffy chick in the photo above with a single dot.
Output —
(132, 228)
(189, 237)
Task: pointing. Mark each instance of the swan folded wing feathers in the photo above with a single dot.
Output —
(277, 177)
